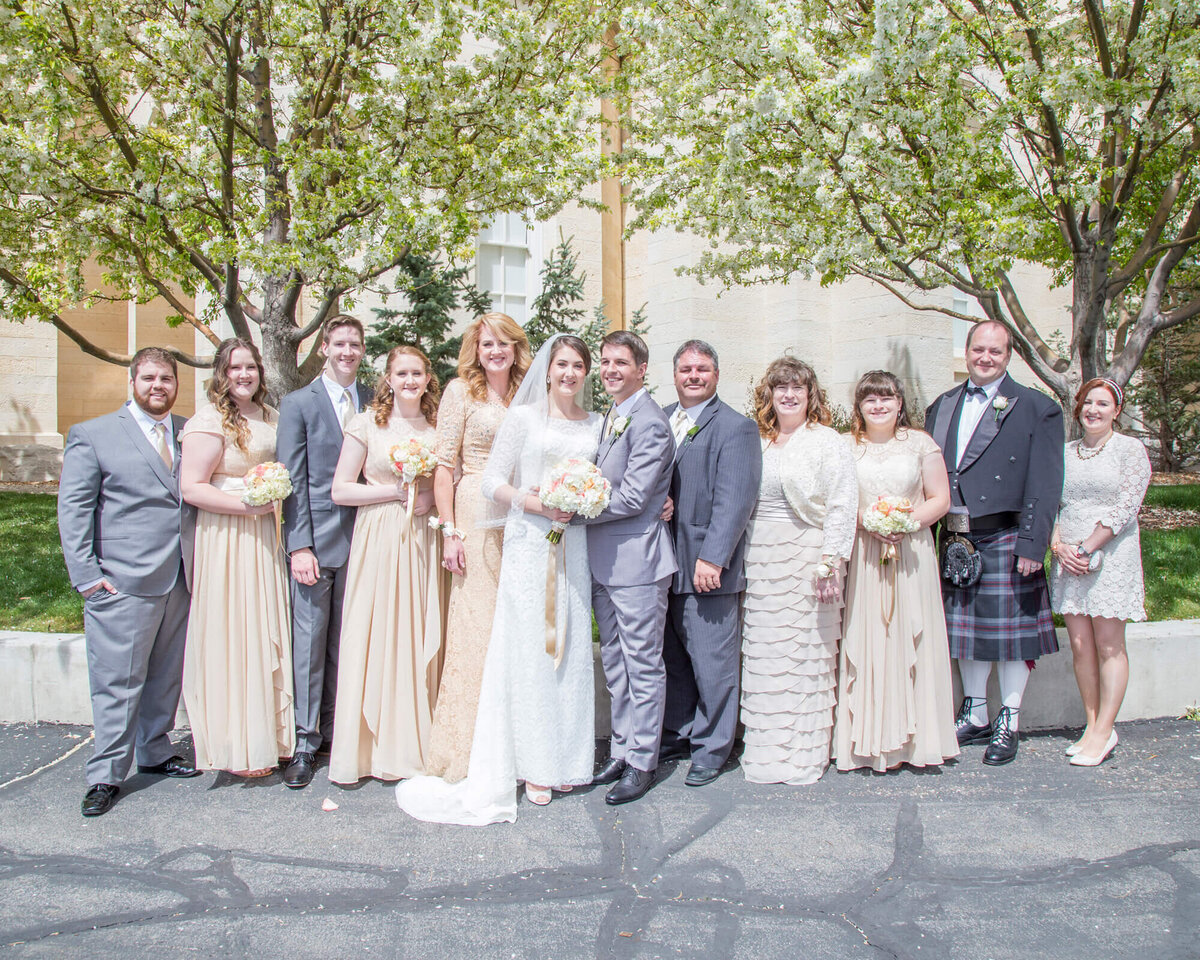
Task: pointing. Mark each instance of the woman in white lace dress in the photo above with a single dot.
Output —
(536, 711)
(799, 539)
(1096, 576)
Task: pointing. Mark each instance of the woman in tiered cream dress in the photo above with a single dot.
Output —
(491, 364)
(389, 654)
(237, 670)
(799, 539)
(894, 694)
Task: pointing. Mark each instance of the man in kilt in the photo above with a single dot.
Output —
(1003, 446)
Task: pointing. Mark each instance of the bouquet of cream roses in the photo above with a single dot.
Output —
(266, 483)
(887, 516)
(411, 459)
(576, 486)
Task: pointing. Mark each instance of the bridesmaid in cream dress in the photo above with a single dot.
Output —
(799, 539)
(237, 669)
(894, 693)
(391, 641)
(491, 364)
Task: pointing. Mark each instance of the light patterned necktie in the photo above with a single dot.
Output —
(348, 407)
(608, 423)
(160, 444)
(679, 425)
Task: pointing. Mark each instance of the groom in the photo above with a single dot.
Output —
(127, 541)
(632, 561)
(317, 533)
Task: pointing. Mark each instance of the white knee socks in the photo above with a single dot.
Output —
(974, 675)
(1013, 675)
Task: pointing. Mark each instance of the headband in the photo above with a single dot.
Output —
(1116, 388)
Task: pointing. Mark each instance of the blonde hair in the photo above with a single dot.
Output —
(385, 397)
(779, 372)
(469, 369)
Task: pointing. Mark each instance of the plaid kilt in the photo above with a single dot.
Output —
(1004, 616)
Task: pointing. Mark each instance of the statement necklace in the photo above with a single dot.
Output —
(1092, 451)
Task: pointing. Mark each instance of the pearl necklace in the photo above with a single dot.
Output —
(1094, 451)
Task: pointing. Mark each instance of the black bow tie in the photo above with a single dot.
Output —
(974, 391)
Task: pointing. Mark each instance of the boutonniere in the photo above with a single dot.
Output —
(619, 426)
(999, 405)
(687, 437)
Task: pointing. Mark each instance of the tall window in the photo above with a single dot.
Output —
(505, 266)
(970, 306)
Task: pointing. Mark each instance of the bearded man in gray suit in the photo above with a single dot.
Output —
(317, 533)
(127, 541)
(632, 560)
(718, 465)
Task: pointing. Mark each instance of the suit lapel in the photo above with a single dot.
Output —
(945, 415)
(325, 404)
(989, 424)
(141, 444)
(701, 422)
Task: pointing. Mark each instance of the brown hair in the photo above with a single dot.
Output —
(881, 384)
(232, 422)
(339, 320)
(1109, 385)
(385, 396)
(631, 342)
(576, 344)
(990, 323)
(152, 355)
(779, 372)
(469, 369)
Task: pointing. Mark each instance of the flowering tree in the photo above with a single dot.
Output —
(264, 151)
(931, 144)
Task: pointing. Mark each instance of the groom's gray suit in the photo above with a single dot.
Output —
(632, 560)
(308, 443)
(121, 519)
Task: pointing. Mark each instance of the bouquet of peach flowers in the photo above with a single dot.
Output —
(576, 486)
(888, 516)
(266, 483)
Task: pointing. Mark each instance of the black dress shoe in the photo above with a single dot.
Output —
(175, 766)
(610, 771)
(1003, 748)
(698, 776)
(99, 799)
(633, 784)
(299, 772)
(967, 731)
(674, 751)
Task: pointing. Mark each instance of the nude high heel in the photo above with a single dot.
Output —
(1082, 760)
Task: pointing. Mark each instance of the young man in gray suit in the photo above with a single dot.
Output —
(718, 465)
(127, 542)
(317, 533)
(632, 560)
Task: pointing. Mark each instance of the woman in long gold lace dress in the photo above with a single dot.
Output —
(389, 653)
(237, 668)
(491, 364)
(894, 700)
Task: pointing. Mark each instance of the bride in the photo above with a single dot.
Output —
(536, 711)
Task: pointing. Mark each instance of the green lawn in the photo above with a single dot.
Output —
(36, 595)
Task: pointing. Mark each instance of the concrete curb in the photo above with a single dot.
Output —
(43, 678)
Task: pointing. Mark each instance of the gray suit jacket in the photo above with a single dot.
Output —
(628, 545)
(120, 515)
(715, 487)
(308, 443)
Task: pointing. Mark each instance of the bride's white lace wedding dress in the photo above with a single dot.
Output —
(535, 721)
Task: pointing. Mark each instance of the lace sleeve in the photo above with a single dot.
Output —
(504, 468)
(841, 499)
(1134, 467)
(451, 424)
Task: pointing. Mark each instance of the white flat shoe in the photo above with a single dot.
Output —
(538, 795)
(1082, 760)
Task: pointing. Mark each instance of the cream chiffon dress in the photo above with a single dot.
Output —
(237, 666)
(895, 703)
(389, 654)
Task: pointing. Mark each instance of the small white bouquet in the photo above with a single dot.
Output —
(888, 516)
(266, 483)
(576, 486)
(411, 459)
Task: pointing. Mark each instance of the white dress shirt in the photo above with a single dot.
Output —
(337, 396)
(973, 409)
(147, 423)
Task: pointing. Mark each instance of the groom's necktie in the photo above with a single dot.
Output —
(608, 421)
(679, 424)
(160, 444)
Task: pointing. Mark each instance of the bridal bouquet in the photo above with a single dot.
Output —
(266, 483)
(887, 516)
(576, 486)
(411, 459)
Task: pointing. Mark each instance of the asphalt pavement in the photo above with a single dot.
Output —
(1034, 859)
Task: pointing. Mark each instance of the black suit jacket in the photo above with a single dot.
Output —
(1013, 463)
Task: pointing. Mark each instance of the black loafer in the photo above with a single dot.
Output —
(175, 766)
(633, 784)
(1003, 748)
(675, 751)
(610, 771)
(99, 799)
(698, 776)
(967, 731)
(299, 772)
